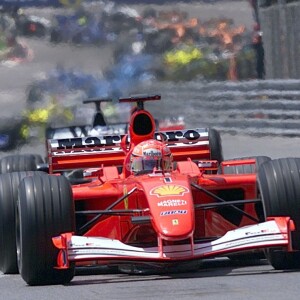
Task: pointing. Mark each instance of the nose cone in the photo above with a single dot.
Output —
(172, 211)
(175, 224)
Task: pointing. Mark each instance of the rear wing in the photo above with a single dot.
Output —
(105, 150)
(80, 131)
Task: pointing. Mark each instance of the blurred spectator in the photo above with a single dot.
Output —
(259, 51)
(254, 6)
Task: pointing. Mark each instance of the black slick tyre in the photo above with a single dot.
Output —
(8, 197)
(45, 209)
(215, 144)
(16, 163)
(279, 186)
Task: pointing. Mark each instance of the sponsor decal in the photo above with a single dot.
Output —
(172, 202)
(93, 143)
(189, 136)
(169, 190)
(87, 142)
(173, 212)
(152, 153)
(259, 232)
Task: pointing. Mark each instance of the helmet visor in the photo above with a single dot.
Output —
(145, 164)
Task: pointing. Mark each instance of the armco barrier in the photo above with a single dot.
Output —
(280, 26)
(267, 107)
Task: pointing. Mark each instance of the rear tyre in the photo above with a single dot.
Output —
(16, 163)
(8, 197)
(45, 209)
(278, 182)
(245, 169)
(215, 144)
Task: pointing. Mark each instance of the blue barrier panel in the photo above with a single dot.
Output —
(29, 3)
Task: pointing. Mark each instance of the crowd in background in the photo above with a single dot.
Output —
(216, 49)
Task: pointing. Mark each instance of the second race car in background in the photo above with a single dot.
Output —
(32, 26)
(101, 125)
(54, 121)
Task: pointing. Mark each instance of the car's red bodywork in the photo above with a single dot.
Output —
(189, 213)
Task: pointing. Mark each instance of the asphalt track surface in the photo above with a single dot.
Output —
(216, 279)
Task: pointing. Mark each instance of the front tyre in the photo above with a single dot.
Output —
(279, 186)
(45, 209)
(8, 197)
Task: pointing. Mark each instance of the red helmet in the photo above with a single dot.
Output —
(150, 155)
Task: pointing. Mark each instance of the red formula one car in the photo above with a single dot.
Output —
(158, 200)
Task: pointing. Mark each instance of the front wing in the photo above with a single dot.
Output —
(275, 232)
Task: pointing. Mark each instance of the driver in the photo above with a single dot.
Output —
(151, 155)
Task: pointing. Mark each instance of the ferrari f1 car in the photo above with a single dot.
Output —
(146, 200)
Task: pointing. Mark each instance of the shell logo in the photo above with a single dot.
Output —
(169, 190)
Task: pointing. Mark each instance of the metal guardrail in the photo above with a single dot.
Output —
(268, 107)
(280, 26)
